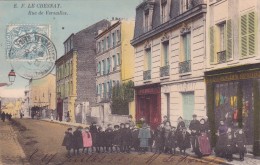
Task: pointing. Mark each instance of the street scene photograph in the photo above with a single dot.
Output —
(129, 82)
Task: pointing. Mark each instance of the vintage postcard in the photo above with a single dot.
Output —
(129, 82)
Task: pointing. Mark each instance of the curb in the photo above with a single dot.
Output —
(65, 123)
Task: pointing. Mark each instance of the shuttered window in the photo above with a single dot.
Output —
(229, 38)
(248, 34)
(148, 59)
(165, 53)
(186, 47)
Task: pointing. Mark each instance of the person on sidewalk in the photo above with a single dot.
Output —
(144, 136)
(87, 140)
(93, 130)
(68, 141)
(166, 137)
(127, 138)
(122, 133)
(220, 145)
(183, 140)
(180, 125)
(135, 140)
(194, 128)
(165, 120)
(78, 141)
(173, 140)
(101, 143)
(229, 145)
(158, 139)
(116, 138)
(240, 141)
(109, 138)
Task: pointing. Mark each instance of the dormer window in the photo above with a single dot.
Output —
(165, 10)
(146, 21)
(185, 5)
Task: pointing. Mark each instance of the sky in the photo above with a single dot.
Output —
(80, 14)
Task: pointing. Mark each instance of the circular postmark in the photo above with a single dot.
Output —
(33, 55)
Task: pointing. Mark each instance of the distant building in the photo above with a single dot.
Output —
(114, 62)
(75, 71)
(169, 42)
(42, 95)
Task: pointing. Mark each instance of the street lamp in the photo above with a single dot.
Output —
(11, 76)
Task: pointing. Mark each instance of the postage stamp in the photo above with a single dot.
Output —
(30, 50)
(32, 55)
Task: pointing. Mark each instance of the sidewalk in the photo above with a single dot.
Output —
(11, 151)
(65, 123)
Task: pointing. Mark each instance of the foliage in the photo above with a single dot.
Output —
(122, 94)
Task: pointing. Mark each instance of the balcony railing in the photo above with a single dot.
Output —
(185, 66)
(147, 75)
(222, 57)
(164, 71)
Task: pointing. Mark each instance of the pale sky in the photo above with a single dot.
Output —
(81, 14)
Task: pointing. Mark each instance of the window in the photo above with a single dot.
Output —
(118, 35)
(100, 89)
(108, 42)
(108, 65)
(248, 28)
(99, 67)
(148, 59)
(186, 45)
(115, 62)
(146, 21)
(105, 89)
(163, 13)
(118, 59)
(103, 67)
(185, 4)
(165, 55)
(114, 39)
(222, 29)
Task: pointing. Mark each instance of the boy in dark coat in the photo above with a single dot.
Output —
(77, 140)
(166, 137)
(93, 131)
(173, 140)
(109, 138)
(126, 138)
(240, 142)
(121, 135)
(100, 140)
(68, 140)
(183, 140)
(229, 145)
(158, 138)
(116, 138)
(194, 128)
(135, 140)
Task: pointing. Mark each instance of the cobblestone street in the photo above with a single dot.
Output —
(40, 143)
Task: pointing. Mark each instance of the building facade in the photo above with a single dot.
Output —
(42, 95)
(232, 73)
(114, 63)
(76, 73)
(170, 52)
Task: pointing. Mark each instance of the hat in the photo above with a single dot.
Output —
(194, 115)
(69, 129)
(122, 124)
(116, 126)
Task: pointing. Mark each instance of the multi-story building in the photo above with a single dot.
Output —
(76, 73)
(114, 67)
(169, 42)
(233, 60)
(42, 95)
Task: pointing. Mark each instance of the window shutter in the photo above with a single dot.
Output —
(229, 39)
(243, 35)
(251, 33)
(212, 42)
(149, 59)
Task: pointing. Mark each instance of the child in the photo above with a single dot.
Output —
(229, 145)
(135, 140)
(126, 138)
(158, 138)
(87, 139)
(173, 140)
(121, 135)
(183, 140)
(166, 136)
(144, 135)
(240, 141)
(100, 140)
(78, 142)
(116, 138)
(109, 138)
(68, 140)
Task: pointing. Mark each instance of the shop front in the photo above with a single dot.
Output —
(148, 104)
(233, 97)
